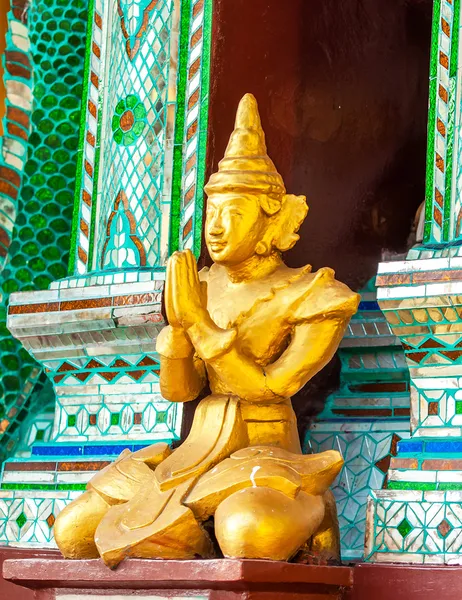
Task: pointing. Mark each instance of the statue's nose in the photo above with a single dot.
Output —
(216, 228)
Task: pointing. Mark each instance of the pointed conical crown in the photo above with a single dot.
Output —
(246, 166)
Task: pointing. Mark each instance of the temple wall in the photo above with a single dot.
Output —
(342, 89)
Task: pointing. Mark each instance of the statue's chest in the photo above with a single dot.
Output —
(227, 305)
(262, 326)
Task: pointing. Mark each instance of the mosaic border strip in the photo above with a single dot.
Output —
(191, 126)
(17, 76)
(86, 175)
(196, 133)
(441, 120)
(418, 278)
(102, 302)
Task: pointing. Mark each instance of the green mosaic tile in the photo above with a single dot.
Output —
(129, 120)
(39, 435)
(71, 420)
(410, 485)
(458, 407)
(115, 418)
(404, 528)
(45, 487)
(162, 416)
(72, 487)
(449, 486)
(21, 520)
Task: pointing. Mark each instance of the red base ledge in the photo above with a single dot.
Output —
(49, 578)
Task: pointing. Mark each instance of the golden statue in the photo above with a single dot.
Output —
(257, 331)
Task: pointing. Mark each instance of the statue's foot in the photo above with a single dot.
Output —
(75, 526)
(261, 522)
(74, 529)
(154, 524)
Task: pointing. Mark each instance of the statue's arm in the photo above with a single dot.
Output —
(310, 349)
(182, 372)
(312, 346)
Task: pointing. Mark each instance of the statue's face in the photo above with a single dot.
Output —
(234, 225)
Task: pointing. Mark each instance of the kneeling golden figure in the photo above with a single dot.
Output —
(257, 331)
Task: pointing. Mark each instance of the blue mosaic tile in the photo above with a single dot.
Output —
(368, 305)
(443, 446)
(410, 446)
(61, 450)
(110, 449)
(86, 449)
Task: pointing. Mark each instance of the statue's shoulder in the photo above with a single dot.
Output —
(319, 294)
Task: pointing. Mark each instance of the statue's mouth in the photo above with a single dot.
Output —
(217, 246)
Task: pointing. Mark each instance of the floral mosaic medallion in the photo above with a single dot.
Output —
(129, 120)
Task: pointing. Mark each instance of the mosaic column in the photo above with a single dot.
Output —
(365, 418)
(418, 518)
(143, 127)
(138, 197)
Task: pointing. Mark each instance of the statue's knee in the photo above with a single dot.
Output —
(261, 522)
(75, 526)
(326, 540)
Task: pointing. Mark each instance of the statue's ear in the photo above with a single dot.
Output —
(270, 205)
(293, 211)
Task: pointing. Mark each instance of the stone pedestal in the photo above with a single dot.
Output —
(222, 579)
(181, 580)
(10, 590)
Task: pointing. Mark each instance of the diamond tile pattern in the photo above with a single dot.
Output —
(29, 519)
(367, 456)
(414, 528)
(50, 520)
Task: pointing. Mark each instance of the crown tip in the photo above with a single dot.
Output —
(247, 115)
(248, 99)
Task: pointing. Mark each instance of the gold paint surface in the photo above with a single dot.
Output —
(256, 331)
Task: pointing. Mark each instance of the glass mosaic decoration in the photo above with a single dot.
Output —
(145, 137)
(365, 418)
(46, 160)
(122, 248)
(442, 126)
(132, 156)
(417, 519)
